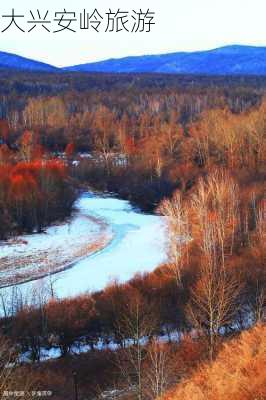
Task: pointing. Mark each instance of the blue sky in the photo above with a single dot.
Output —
(181, 25)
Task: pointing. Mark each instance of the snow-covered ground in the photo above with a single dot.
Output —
(138, 245)
(33, 256)
(82, 347)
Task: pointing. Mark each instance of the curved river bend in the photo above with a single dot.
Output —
(138, 245)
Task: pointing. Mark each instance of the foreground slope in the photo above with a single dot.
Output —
(238, 373)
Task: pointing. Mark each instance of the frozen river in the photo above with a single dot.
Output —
(138, 245)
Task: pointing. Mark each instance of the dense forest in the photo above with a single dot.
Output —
(188, 148)
(150, 134)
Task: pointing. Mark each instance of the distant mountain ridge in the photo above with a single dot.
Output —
(13, 61)
(228, 60)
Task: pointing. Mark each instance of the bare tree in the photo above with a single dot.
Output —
(159, 371)
(216, 295)
(257, 304)
(216, 204)
(214, 303)
(104, 140)
(178, 234)
(135, 325)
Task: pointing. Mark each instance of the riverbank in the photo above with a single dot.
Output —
(30, 257)
(127, 241)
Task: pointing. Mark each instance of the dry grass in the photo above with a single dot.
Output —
(238, 373)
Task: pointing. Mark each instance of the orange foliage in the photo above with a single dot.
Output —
(21, 186)
(70, 149)
(34, 193)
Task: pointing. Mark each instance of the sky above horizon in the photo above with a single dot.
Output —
(180, 25)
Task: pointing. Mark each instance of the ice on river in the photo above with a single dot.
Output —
(138, 245)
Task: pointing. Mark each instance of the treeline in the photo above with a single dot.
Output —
(33, 83)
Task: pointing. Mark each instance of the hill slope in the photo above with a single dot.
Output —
(238, 373)
(13, 61)
(229, 60)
